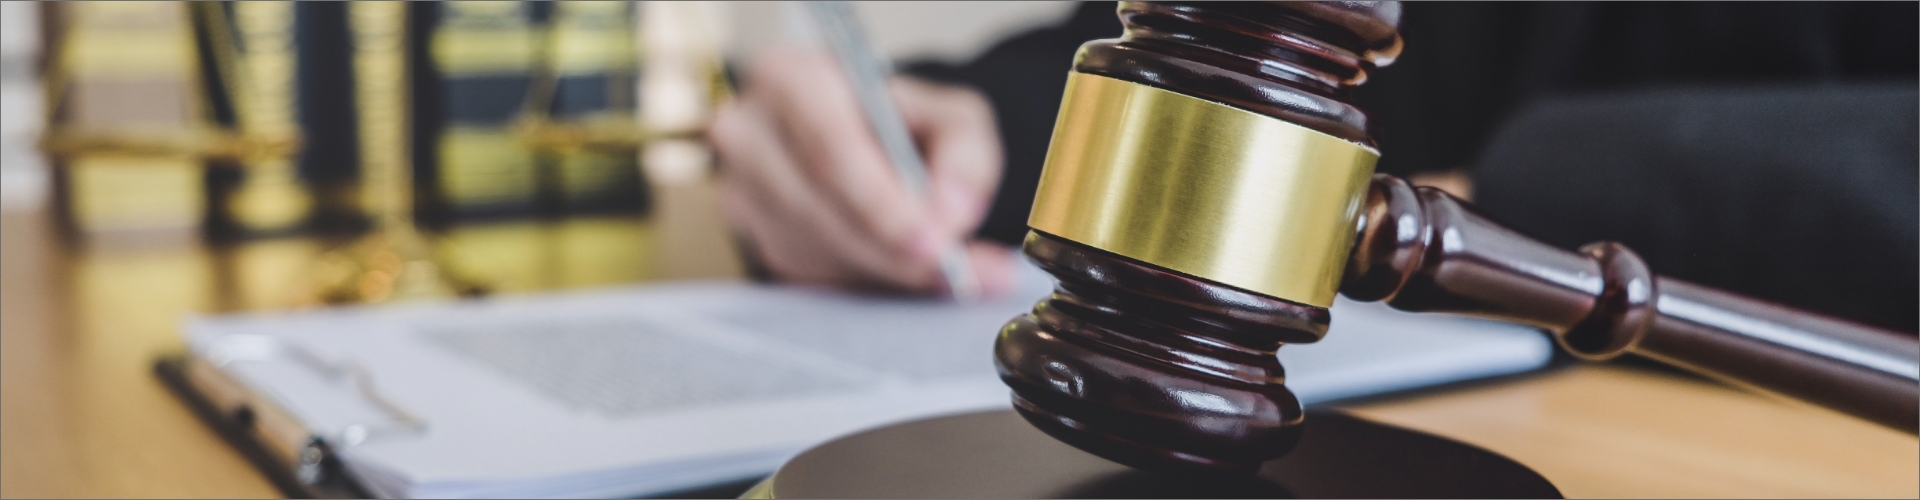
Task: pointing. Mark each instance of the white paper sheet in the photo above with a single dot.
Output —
(631, 391)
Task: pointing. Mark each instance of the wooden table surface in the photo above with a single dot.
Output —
(82, 415)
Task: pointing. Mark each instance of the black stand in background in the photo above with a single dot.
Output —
(998, 455)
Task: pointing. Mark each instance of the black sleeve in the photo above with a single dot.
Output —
(1023, 77)
(1762, 148)
(1468, 65)
(1800, 194)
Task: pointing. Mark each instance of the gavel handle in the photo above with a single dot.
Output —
(1423, 250)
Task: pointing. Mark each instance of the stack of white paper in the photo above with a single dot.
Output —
(633, 391)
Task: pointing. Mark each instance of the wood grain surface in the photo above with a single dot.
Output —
(1609, 431)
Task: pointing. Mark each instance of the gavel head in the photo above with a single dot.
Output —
(1197, 206)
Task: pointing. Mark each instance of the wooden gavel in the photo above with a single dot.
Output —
(1209, 189)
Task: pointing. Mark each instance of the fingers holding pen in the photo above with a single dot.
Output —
(956, 133)
(808, 181)
(801, 236)
(817, 112)
(993, 267)
(955, 130)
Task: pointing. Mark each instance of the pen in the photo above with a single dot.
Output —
(864, 69)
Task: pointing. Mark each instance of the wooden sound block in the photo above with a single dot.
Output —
(999, 455)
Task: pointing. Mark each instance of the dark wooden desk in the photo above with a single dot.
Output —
(82, 415)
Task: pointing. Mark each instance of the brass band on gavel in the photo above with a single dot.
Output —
(1202, 188)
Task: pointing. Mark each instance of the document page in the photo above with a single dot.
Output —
(653, 388)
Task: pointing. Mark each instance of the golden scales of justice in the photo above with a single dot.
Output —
(394, 261)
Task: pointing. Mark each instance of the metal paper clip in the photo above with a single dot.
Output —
(255, 347)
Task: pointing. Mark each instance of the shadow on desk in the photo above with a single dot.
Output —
(731, 489)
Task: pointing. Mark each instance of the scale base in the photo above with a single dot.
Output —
(391, 264)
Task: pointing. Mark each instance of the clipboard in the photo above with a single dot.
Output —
(298, 462)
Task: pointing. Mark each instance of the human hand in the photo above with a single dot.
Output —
(805, 179)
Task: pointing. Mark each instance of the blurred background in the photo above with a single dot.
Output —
(166, 125)
(284, 130)
(160, 160)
